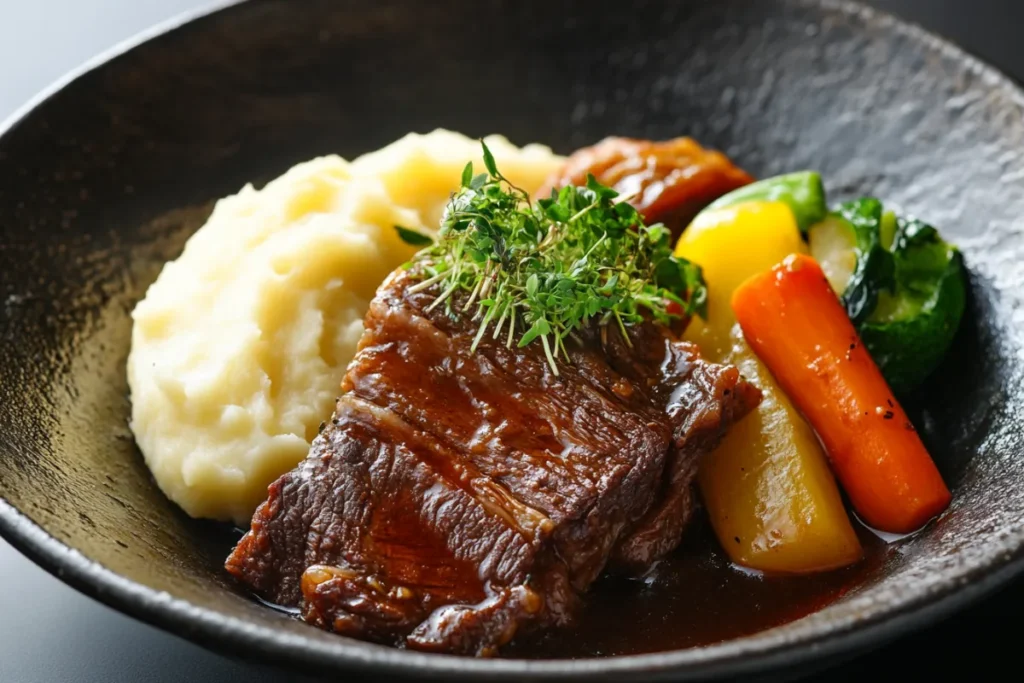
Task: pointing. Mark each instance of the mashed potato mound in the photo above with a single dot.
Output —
(239, 347)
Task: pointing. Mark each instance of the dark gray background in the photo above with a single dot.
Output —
(50, 633)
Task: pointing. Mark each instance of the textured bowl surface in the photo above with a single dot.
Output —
(102, 181)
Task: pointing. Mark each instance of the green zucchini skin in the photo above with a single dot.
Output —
(910, 334)
(875, 269)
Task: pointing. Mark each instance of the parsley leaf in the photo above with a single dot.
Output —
(412, 237)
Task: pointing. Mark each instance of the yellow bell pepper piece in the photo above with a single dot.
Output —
(731, 245)
(768, 489)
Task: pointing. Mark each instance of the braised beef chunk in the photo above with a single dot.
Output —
(457, 497)
(669, 181)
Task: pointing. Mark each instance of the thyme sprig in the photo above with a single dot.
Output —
(541, 271)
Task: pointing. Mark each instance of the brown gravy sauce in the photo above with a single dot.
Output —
(692, 598)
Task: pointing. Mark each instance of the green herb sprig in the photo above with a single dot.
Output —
(543, 270)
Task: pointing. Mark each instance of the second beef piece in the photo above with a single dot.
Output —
(458, 497)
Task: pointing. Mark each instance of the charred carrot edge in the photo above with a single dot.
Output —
(796, 325)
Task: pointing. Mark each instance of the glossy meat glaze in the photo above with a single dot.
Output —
(458, 498)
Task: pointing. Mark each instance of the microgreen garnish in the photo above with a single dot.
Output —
(543, 270)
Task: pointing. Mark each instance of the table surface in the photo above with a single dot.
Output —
(49, 632)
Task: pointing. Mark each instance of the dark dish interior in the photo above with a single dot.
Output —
(103, 182)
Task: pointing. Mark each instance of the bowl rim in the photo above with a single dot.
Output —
(754, 654)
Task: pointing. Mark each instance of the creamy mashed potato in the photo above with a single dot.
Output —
(239, 347)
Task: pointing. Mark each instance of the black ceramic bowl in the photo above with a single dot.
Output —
(103, 177)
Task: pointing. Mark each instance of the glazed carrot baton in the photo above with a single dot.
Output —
(796, 325)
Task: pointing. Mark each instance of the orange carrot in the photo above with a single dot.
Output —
(796, 325)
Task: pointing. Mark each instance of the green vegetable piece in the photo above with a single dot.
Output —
(887, 230)
(875, 269)
(912, 328)
(801, 191)
(412, 237)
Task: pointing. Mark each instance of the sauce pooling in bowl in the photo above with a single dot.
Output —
(692, 598)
